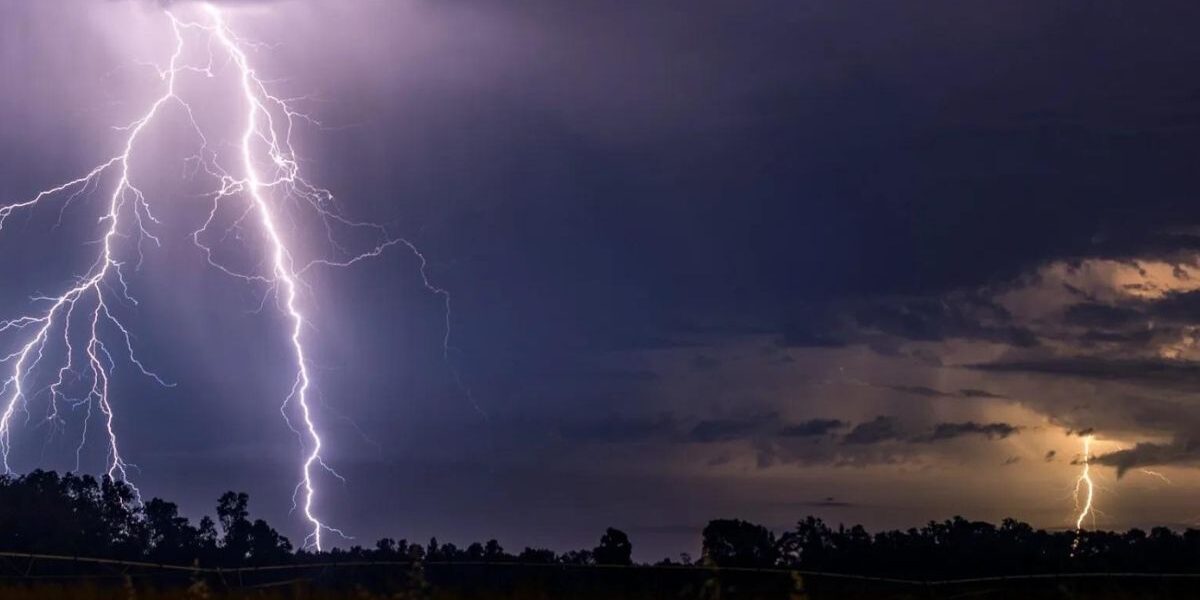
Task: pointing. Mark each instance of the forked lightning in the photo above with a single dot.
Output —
(264, 179)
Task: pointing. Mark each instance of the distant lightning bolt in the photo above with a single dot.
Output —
(1087, 488)
(268, 178)
(1157, 475)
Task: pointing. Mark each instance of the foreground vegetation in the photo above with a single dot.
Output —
(44, 513)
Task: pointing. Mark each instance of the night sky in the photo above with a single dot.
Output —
(872, 261)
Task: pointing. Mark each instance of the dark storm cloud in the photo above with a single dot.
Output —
(1101, 315)
(1177, 306)
(928, 392)
(809, 337)
(919, 390)
(814, 427)
(1130, 339)
(878, 441)
(1135, 326)
(667, 428)
(1050, 454)
(1148, 454)
(886, 428)
(851, 234)
(761, 429)
(725, 430)
(949, 431)
(978, 393)
(1158, 372)
(937, 319)
(880, 429)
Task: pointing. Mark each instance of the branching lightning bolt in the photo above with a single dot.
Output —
(91, 287)
(281, 259)
(1085, 487)
(267, 177)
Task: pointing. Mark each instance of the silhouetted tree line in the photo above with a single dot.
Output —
(80, 515)
(954, 548)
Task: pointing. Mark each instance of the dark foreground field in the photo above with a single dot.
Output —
(532, 582)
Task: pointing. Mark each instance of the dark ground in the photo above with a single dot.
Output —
(520, 582)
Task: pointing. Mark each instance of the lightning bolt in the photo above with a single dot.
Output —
(1157, 475)
(281, 259)
(91, 287)
(266, 179)
(1084, 486)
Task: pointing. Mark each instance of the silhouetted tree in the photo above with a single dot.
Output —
(118, 510)
(577, 557)
(385, 547)
(244, 540)
(614, 548)
(266, 545)
(234, 516)
(736, 543)
(170, 537)
(207, 533)
(493, 551)
(537, 556)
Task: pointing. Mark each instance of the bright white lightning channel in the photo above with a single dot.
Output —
(1085, 493)
(267, 175)
(1085, 487)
